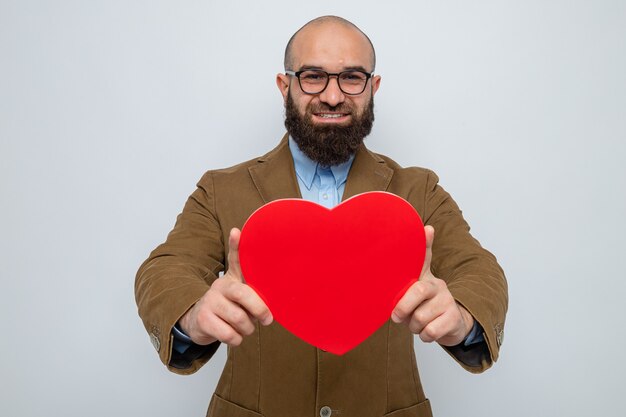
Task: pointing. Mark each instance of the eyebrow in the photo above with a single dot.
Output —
(351, 68)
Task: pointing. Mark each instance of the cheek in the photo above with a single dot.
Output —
(361, 104)
(303, 104)
(357, 106)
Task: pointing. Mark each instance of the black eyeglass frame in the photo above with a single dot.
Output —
(297, 74)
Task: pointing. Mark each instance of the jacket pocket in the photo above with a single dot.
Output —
(220, 407)
(418, 410)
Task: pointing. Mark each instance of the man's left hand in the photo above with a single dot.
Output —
(429, 309)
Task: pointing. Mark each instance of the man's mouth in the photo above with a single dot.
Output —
(331, 116)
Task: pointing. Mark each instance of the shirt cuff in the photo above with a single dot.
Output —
(182, 342)
(185, 351)
(475, 335)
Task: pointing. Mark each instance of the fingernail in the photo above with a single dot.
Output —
(268, 320)
(395, 318)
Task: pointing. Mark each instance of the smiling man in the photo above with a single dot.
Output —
(460, 300)
(331, 110)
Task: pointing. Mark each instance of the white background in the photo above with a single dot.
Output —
(110, 111)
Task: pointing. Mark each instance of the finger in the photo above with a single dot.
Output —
(223, 331)
(427, 312)
(414, 297)
(438, 328)
(429, 231)
(250, 301)
(234, 315)
(234, 268)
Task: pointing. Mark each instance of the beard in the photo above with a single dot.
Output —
(331, 144)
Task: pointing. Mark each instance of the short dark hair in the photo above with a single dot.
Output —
(321, 20)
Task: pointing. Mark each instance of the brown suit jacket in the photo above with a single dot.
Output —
(272, 373)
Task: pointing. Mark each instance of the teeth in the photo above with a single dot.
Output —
(330, 116)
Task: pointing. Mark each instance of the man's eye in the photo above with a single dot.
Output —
(312, 76)
(353, 76)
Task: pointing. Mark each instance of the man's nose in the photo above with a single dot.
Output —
(332, 95)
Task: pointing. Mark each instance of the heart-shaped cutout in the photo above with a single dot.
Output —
(333, 277)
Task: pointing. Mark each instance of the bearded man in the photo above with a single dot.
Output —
(460, 300)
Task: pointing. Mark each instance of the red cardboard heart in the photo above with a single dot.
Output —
(333, 277)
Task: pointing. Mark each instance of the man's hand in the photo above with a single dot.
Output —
(429, 309)
(228, 310)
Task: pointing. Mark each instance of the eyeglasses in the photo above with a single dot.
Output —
(351, 82)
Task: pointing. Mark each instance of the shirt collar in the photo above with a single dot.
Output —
(306, 167)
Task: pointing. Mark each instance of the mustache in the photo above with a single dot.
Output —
(340, 108)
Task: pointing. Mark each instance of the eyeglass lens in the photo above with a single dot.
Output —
(350, 82)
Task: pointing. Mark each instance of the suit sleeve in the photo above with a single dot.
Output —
(472, 274)
(178, 273)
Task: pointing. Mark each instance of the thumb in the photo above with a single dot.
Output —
(234, 268)
(429, 231)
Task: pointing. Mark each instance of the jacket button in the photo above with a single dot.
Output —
(499, 334)
(155, 341)
(325, 411)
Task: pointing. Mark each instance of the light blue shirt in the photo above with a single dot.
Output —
(324, 186)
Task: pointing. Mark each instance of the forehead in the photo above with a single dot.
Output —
(332, 47)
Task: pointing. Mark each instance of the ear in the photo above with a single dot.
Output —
(375, 83)
(282, 81)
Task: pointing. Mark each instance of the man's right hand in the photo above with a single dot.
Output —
(229, 309)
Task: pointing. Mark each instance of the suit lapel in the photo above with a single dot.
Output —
(368, 173)
(274, 175)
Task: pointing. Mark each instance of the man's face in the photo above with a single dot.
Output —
(331, 125)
